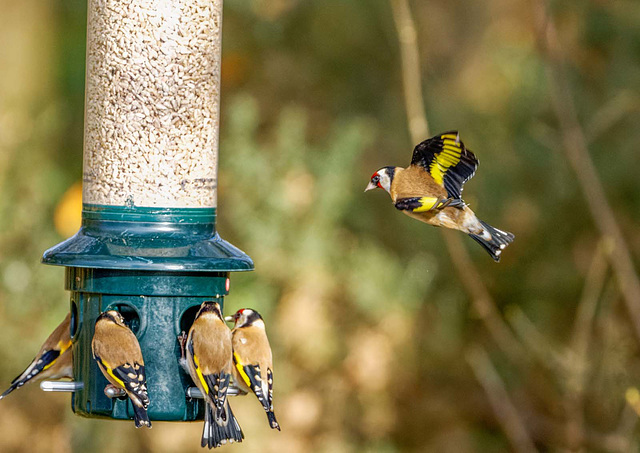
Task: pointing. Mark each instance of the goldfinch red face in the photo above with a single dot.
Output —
(382, 179)
(246, 317)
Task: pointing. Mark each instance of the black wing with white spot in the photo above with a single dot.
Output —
(134, 380)
(255, 384)
(46, 360)
(218, 384)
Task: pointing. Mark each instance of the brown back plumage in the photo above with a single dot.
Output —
(414, 181)
(59, 337)
(62, 367)
(255, 349)
(115, 344)
(211, 343)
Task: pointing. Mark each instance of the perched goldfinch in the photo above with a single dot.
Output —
(208, 354)
(430, 190)
(252, 358)
(117, 351)
(53, 361)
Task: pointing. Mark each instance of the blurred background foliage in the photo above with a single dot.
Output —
(376, 345)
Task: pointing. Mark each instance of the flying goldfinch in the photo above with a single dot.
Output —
(430, 190)
(117, 351)
(208, 353)
(53, 361)
(253, 370)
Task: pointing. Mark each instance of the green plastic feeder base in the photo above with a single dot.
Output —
(155, 266)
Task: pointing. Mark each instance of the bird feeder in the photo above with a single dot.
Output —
(148, 245)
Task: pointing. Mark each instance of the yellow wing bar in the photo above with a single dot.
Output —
(200, 376)
(110, 372)
(428, 203)
(447, 157)
(240, 368)
(447, 160)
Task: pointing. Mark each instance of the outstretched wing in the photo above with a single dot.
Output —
(447, 160)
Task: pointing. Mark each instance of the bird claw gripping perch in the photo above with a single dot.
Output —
(182, 341)
(450, 202)
(111, 391)
(442, 203)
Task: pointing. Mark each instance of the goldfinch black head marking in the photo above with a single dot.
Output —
(210, 306)
(113, 316)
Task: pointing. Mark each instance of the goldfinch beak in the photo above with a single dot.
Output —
(370, 186)
(229, 318)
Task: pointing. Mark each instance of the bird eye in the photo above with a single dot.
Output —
(375, 179)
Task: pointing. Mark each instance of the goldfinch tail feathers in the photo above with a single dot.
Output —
(272, 420)
(270, 415)
(140, 416)
(232, 431)
(493, 240)
(33, 370)
(208, 434)
(215, 435)
(11, 389)
(254, 374)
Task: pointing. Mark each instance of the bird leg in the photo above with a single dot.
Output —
(450, 202)
(182, 341)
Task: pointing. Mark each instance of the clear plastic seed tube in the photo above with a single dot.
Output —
(152, 103)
